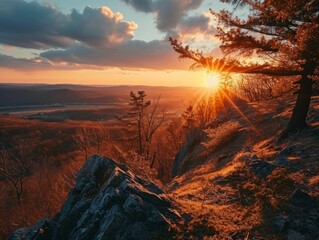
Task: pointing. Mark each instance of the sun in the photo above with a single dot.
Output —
(213, 81)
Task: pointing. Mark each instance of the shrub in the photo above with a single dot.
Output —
(220, 135)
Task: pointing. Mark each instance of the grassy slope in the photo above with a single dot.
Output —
(225, 194)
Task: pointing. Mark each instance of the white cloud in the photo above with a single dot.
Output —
(32, 25)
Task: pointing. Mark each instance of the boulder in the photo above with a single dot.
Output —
(293, 235)
(194, 138)
(302, 200)
(260, 167)
(300, 219)
(108, 202)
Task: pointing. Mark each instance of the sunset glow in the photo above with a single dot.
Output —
(159, 119)
(101, 42)
(213, 81)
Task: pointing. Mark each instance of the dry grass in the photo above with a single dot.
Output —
(229, 197)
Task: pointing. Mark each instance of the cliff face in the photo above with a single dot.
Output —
(108, 202)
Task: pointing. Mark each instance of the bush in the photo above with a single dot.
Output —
(263, 88)
(220, 135)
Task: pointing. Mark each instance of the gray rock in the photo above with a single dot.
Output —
(194, 137)
(301, 213)
(279, 224)
(302, 200)
(108, 202)
(260, 167)
(293, 235)
(31, 233)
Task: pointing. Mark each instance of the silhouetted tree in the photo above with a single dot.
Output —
(143, 118)
(151, 124)
(283, 34)
(135, 117)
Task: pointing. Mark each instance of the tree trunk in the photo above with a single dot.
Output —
(300, 111)
(153, 161)
(140, 151)
(18, 188)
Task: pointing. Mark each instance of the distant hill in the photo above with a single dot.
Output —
(38, 94)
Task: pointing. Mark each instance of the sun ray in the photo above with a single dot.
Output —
(241, 113)
(222, 104)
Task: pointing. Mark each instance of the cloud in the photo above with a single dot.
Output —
(168, 12)
(133, 54)
(32, 25)
(194, 24)
(99, 27)
(156, 54)
(24, 63)
(140, 5)
(94, 38)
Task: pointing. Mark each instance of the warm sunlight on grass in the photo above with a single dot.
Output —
(212, 81)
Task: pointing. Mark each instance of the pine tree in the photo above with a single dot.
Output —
(135, 117)
(284, 35)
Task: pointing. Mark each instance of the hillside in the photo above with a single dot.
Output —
(237, 181)
(247, 185)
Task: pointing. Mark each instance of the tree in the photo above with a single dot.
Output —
(82, 141)
(151, 124)
(282, 35)
(90, 136)
(144, 120)
(135, 117)
(16, 166)
(98, 135)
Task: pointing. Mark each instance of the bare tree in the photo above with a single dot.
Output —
(144, 120)
(16, 166)
(175, 134)
(91, 137)
(82, 141)
(261, 88)
(98, 135)
(135, 117)
(151, 124)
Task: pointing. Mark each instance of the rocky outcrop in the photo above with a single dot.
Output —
(193, 139)
(300, 217)
(260, 167)
(108, 202)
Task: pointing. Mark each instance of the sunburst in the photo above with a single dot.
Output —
(212, 81)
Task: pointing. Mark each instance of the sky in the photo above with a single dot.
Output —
(104, 42)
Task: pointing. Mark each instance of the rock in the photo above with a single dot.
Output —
(278, 148)
(179, 160)
(31, 233)
(108, 202)
(293, 235)
(254, 158)
(279, 224)
(260, 167)
(194, 137)
(302, 200)
(301, 217)
(283, 161)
